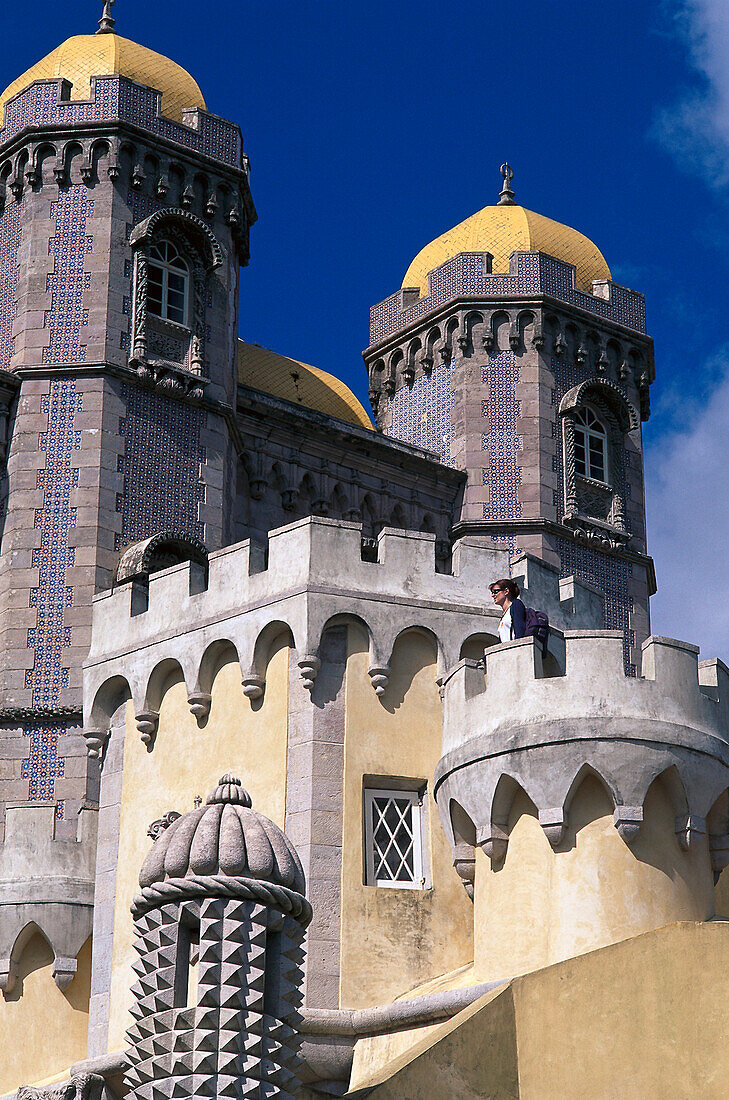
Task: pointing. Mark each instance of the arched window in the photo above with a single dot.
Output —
(168, 283)
(590, 446)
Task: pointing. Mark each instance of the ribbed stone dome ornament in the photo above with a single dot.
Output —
(220, 922)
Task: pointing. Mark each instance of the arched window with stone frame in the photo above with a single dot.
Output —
(596, 417)
(174, 254)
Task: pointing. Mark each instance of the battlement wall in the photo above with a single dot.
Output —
(118, 99)
(530, 273)
(314, 577)
(538, 727)
(46, 884)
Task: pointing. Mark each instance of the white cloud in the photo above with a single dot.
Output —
(687, 474)
(696, 129)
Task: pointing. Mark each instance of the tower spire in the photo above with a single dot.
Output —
(106, 23)
(506, 196)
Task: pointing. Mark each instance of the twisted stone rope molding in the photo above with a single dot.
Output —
(198, 886)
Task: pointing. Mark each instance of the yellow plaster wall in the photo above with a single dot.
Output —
(639, 1019)
(43, 1030)
(247, 738)
(394, 939)
(542, 906)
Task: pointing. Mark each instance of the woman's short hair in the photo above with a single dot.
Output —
(512, 588)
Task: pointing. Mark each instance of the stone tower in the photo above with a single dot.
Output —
(511, 353)
(124, 217)
(219, 924)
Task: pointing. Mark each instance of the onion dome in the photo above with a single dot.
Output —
(298, 382)
(107, 54)
(506, 228)
(227, 838)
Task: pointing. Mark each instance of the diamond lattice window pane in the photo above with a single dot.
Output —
(393, 838)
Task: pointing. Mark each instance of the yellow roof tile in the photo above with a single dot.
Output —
(301, 383)
(504, 229)
(86, 55)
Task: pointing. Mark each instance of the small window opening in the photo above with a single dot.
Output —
(590, 446)
(393, 838)
(168, 279)
(187, 965)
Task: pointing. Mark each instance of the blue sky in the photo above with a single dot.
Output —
(373, 127)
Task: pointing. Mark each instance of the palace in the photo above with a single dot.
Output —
(279, 816)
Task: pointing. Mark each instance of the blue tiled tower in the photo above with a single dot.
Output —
(507, 350)
(124, 217)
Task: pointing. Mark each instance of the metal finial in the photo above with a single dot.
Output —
(506, 195)
(106, 23)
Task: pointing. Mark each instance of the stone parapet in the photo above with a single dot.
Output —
(539, 727)
(46, 885)
(115, 98)
(531, 273)
(314, 578)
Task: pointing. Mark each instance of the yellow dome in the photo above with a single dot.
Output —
(504, 229)
(301, 383)
(86, 55)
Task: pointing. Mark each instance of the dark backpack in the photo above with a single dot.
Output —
(537, 626)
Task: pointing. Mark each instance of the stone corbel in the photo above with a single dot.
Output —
(59, 172)
(309, 666)
(95, 741)
(560, 345)
(719, 853)
(199, 703)
(147, 722)
(8, 975)
(514, 337)
(408, 374)
(628, 821)
(64, 971)
(554, 824)
(689, 830)
(379, 678)
(427, 363)
(253, 685)
(493, 840)
(86, 171)
(464, 861)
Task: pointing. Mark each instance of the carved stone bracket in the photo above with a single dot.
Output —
(199, 703)
(595, 534)
(689, 830)
(493, 839)
(147, 722)
(95, 741)
(64, 971)
(8, 975)
(719, 853)
(253, 685)
(170, 379)
(628, 821)
(379, 678)
(554, 823)
(464, 861)
(309, 666)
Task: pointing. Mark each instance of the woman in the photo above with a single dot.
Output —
(513, 621)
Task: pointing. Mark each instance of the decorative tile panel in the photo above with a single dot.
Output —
(612, 576)
(115, 98)
(67, 282)
(10, 233)
(422, 415)
(48, 639)
(162, 449)
(531, 273)
(500, 441)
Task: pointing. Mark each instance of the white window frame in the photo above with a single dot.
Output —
(581, 424)
(167, 268)
(415, 799)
